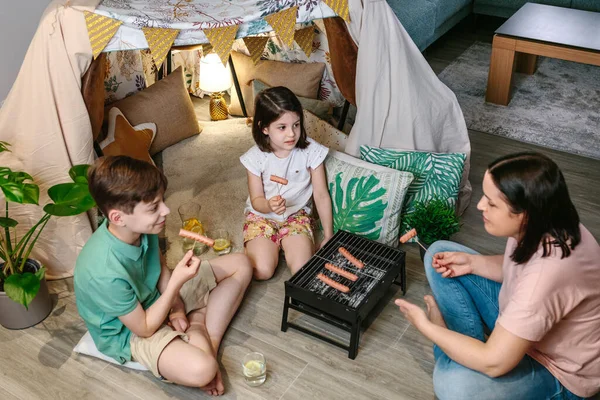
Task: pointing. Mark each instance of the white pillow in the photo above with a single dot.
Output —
(87, 346)
(366, 198)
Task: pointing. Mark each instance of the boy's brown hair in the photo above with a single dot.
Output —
(121, 182)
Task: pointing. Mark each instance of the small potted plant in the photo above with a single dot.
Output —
(433, 220)
(24, 298)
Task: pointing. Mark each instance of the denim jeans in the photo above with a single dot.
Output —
(469, 305)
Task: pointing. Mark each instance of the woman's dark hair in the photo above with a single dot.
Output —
(534, 185)
(270, 104)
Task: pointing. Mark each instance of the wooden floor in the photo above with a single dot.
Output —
(394, 360)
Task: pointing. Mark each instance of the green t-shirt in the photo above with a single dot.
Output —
(110, 278)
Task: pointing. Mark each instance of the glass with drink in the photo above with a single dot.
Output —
(222, 240)
(189, 214)
(254, 368)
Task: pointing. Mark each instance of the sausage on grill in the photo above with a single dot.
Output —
(341, 272)
(355, 261)
(330, 282)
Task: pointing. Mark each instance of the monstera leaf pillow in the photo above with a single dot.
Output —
(435, 174)
(366, 198)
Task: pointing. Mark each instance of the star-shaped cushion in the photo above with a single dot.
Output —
(127, 140)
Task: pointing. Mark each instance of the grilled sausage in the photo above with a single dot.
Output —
(199, 238)
(330, 282)
(277, 179)
(408, 235)
(355, 261)
(341, 272)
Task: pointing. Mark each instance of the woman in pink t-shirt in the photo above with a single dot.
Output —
(526, 324)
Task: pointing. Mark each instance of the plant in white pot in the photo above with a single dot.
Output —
(24, 299)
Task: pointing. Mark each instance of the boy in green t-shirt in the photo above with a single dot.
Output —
(125, 292)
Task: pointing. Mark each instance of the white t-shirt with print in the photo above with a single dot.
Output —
(295, 168)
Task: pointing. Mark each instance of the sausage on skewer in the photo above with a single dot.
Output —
(199, 238)
(408, 235)
(355, 261)
(278, 179)
(330, 282)
(341, 272)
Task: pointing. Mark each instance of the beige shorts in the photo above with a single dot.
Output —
(195, 294)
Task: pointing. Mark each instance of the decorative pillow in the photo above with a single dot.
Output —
(127, 140)
(435, 174)
(323, 132)
(318, 107)
(87, 346)
(302, 79)
(366, 198)
(167, 104)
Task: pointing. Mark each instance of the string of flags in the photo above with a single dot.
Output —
(101, 29)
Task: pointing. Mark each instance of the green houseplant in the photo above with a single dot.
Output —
(20, 277)
(434, 219)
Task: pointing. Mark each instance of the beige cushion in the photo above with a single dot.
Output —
(126, 140)
(302, 79)
(167, 103)
(318, 107)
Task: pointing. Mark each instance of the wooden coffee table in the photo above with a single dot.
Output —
(540, 30)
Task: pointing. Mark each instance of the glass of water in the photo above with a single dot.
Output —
(222, 240)
(254, 368)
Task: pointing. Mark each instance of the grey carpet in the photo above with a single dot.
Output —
(557, 107)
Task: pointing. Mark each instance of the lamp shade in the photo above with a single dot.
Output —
(214, 76)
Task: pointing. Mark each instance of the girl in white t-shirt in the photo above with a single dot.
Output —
(278, 214)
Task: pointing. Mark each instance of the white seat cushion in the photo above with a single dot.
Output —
(87, 346)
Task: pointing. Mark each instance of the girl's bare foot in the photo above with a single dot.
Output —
(433, 311)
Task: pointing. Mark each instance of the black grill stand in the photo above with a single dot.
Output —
(346, 318)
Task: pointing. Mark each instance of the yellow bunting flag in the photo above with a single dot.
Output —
(160, 41)
(100, 30)
(283, 23)
(206, 48)
(221, 40)
(340, 7)
(304, 38)
(256, 46)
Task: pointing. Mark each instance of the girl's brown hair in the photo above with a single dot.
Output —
(270, 104)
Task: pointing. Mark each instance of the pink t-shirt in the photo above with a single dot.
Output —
(556, 304)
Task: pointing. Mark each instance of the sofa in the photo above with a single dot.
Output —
(427, 20)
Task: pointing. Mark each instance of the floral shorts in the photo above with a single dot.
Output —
(257, 226)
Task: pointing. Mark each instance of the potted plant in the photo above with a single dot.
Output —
(433, 220)
(24, 299)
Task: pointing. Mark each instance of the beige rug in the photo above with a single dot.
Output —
(206, 169)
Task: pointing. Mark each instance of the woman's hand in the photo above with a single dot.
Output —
(452, 264)
(277, 204)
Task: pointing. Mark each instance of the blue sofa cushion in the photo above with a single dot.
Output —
(445, 9)
(516, 4)
(588, 5)
(417, 17)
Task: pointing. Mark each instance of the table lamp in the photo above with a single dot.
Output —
(215, 78)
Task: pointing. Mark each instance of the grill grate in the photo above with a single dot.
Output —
(308, 294)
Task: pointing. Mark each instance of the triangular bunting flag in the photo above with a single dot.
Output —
(160, 41)
(206, 48)
(100, 30)
(340, 7)
(256, 46)
(304, 38)
(283, 24)
(221, 40)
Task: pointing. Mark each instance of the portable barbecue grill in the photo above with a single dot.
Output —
(306, 293)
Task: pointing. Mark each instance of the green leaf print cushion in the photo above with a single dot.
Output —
(435, 174)
(366, 198)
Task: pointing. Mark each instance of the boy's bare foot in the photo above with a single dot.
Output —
(433, 311)
(215, 387)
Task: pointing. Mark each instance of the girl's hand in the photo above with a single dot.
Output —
(452, 264)
(277, 204)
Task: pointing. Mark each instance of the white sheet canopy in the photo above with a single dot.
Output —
(401, 104)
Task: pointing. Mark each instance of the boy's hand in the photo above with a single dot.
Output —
(186, 269)
(277, 204)
(177, 318)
